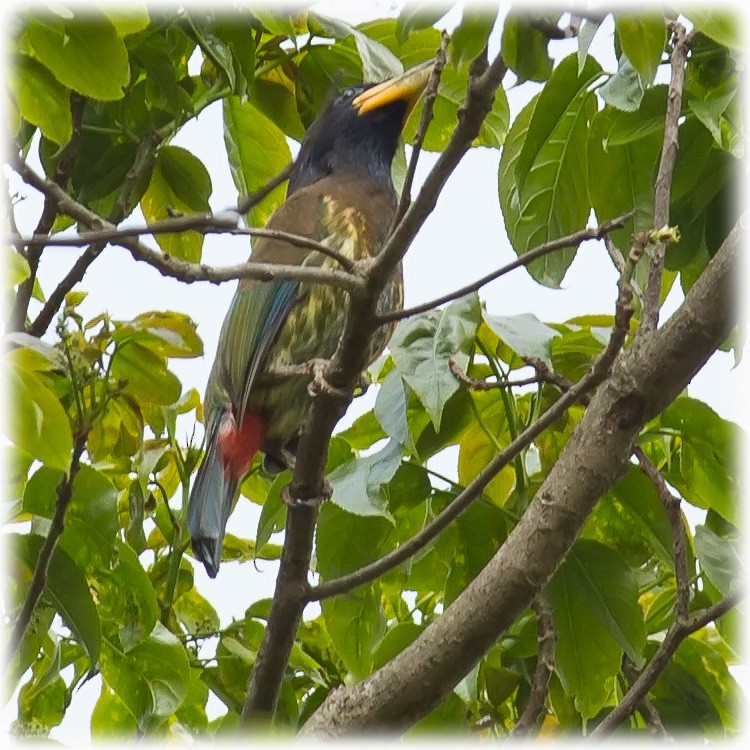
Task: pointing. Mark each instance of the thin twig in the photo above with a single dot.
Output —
(184, 270)
(679, 537)
(201, 223)
(571, 240)
(647, 709)
(430, 95)
(533, 713)
(663, 185)
(41, 571)
(677, 633)
(254, 198)
(475, 384)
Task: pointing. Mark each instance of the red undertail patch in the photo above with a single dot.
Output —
(238, 446)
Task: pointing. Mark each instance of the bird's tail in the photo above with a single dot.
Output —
(229, 451)
(208, 510)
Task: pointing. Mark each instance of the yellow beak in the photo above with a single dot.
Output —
(407, 87)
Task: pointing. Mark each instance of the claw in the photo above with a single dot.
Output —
(320, 385)
(308, 502)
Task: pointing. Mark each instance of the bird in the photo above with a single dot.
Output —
(340, 193)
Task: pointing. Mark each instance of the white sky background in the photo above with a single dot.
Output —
(461, 241)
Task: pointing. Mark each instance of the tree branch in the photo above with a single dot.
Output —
(41, 571)
(647, 709)
(204, 224)
(181, 269)
(679, 537)
(646, 378)
(533, 714)
(487, 385)
(254, 198)
(676, 634)
(571, 240)
(663, 186)
(596, 375)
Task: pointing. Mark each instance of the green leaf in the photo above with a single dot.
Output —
(179, 182)
(87, 56)
(417, 16)
(38, 425)
(145, 374)
(169, 334)
(646, 120)
(586, 34)
(625, 89)
(273, 514)
(390, 410)
(525, 334)
(470, 36)
(130, 21)
(357, 484)
(544, 189)
(621, 178)
(152, 678)
(196, 613)
(378, 62)
(355, 620)
(395, 641)
(710, 112)
(642, 37)
(721, 26)
(67, 589)
(719, 558)
(480, 444)
(594, 592)
(43, 706)
(41, 99)
(127, 600)
(91, 518)
(701, 464)
(524, 49)
(257, 151)
(422, 346)
(16, 269)
(111, 718)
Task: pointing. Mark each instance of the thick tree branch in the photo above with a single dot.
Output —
(663, 186)
(571, 240)
(57, 525)
(676, 634)
(598, 372)
(343, 373)
(648, 376)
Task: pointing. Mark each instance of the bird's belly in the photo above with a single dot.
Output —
(312, 331)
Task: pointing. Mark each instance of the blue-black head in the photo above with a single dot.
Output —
(358, 132)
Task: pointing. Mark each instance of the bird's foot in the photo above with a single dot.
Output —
(319, 384)
(307, 502)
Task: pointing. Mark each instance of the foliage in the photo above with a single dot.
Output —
(121, 577)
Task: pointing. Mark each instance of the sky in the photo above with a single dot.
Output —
(467, 217)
